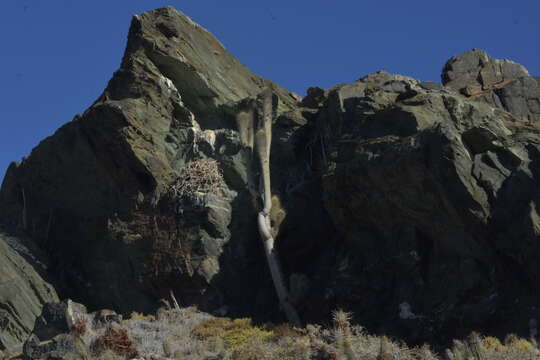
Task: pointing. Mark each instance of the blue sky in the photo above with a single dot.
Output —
(57, 55)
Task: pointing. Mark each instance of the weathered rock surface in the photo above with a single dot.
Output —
(57, 318)
(94, 194)
(501, 83)
(410, 203)
(65, 330)
(60, 347)
(433, 199)
(23, 291)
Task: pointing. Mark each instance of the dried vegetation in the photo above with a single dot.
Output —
(189, 334)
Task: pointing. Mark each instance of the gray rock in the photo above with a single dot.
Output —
(430, 85)
(104, 316)
(475, 67)
(418, 188)
(97, 188)
(23, 291)
(521, 97)
(315, 97)
(501, 83)
(57, 318)
(63, 346)
(411, 205)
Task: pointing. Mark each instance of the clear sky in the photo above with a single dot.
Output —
(56, 56)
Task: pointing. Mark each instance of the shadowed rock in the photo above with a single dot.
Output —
(23, 291)
(94, 194)
(411, 204)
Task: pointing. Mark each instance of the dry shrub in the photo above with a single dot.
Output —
(171, 248)
(292, 349)
(118, 341)
(234, 332)
(192, 335)
(490, 348)
(492, 344)
(170, 254)
(198, 176)
(108, 355)
(137, 316)
(282, 330)
(79, 328)
(518, 345)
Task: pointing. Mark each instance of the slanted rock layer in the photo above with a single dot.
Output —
(412, 204)
(23, 291)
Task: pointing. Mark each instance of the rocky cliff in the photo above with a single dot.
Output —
(433, 198)
(411, 204)
(23, 290)
(93, 193)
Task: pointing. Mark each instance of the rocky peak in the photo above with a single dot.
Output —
(475, 70)
(192, 61)
(501, 83)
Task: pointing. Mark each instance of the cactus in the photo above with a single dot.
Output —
(262, 139)
(342, 334)
(244, 123)
(460, 351)
(476, 347)
(449, 355)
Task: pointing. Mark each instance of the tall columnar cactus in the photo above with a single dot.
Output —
(244, 123)
(262, 140)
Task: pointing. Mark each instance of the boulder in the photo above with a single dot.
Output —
(61, 347)
(57, 318)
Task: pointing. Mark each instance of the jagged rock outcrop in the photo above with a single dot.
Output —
(501, 83)
(94, 193)
(434, 199)
(23, 291)
(410, 203)
(65, 330)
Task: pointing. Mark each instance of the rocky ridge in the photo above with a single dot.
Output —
(411, 204)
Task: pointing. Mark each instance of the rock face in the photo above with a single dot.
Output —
(433, 199)
(501, 83)
(94, 194)
(412, 204)
(65, 330)
(23, 291)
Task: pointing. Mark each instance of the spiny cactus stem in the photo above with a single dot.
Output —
(263, 140)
